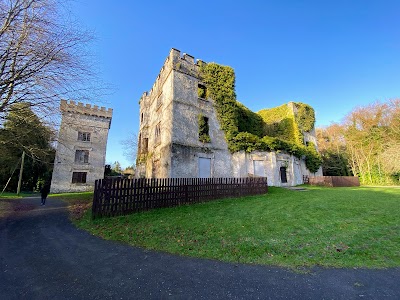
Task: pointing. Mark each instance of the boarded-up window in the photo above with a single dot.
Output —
(79, 177)
(204, 167)
(259, 168)
(82, 156)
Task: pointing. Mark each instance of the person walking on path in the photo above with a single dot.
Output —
(44, 191)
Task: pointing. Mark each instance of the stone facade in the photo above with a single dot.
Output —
(81, 148)
(169, 144)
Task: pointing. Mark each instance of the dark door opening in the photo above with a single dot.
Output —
(283, 174)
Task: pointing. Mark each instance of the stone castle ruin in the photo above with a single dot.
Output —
(190, 128)
(81, 148)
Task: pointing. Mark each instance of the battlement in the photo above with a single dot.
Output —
(85, 109)
(176, 54)
(178, 61)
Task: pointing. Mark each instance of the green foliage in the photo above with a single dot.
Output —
(249, 131)
(248, 142)
(204, 128)
(305, 117)
(201, 92)
(276, 114)
(281, 122)
(313, 159)
(334, 164)
(220, 81)
(249, 121)
(24, 131)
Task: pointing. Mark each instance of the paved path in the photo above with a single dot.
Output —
(43, 256)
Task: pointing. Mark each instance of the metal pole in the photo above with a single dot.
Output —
(20, 173)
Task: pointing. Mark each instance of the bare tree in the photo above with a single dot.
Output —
(129, 146)
(42, 57)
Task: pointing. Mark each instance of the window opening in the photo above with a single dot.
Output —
(145, 145)
(82, 156)
(79, 177)
(84, 136)
(159, 100)
(158, 133)
(204, 129)
(202, 91)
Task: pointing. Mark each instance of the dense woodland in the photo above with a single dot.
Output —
(366, 144)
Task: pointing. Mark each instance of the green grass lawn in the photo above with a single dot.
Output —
(9, 195)
(74, 198)
(332, 227)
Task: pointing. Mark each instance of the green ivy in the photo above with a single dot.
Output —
(204, 136)
(313, 158)
(249, 131)
(305, 117)
(249, 121)
(201, 92)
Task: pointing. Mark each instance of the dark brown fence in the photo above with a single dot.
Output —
(334, 181)
(123, 196)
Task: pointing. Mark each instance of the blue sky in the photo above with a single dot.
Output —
(333, 55)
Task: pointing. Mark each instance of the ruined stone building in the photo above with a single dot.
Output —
(180, 133)
(81, 148)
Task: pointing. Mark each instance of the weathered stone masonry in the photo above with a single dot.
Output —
(169, 144)
(81, 148)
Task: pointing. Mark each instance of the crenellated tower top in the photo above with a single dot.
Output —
(181, 62)
(85, 109)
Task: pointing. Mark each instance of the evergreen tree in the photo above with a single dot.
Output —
(23, 131)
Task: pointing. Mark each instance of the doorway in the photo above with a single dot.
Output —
(282, 171)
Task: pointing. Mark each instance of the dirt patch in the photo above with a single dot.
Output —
(5, 208)
(8, 207)
(77, 210)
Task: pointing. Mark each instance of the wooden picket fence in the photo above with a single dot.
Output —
(117, 196)
(332, 181)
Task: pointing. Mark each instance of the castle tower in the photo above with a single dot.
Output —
(81, 149)
(170, 113)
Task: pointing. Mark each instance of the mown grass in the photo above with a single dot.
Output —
(8, 195)
(74, 198)
(332, 227)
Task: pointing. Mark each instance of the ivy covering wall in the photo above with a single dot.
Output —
(279, 122)
(204, 135)
(274, 129)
